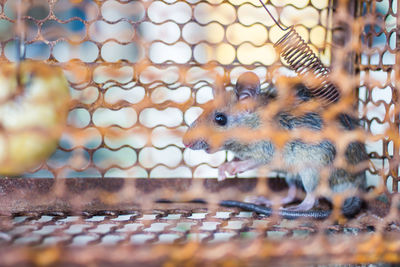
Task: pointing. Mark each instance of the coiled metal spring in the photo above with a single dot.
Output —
(306, 63)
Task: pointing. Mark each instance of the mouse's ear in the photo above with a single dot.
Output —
(302, 92)
(247, 85)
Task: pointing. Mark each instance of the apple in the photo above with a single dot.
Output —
(34, 104)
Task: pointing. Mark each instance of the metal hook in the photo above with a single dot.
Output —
(272, 17)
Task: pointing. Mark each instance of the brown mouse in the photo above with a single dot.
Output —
(245, 110)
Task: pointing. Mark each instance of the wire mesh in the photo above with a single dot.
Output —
(377, 63)
(134, 70)
(140, 73)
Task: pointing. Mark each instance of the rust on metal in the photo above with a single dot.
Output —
(122, 189)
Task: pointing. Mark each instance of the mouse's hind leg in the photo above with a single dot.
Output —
(289, 198)
(310, 179)
(307, 203)
(291, 195)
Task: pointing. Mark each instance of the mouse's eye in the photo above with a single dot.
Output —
(220, 119)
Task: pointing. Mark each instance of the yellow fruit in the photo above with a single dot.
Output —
(33, 114)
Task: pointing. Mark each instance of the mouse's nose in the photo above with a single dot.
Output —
(197, 145)
(187, 144)
(193, 142)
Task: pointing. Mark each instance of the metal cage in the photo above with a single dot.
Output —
(139, 73)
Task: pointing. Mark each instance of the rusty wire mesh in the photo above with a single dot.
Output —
(140, 72)
(132, 89)
(378, 88)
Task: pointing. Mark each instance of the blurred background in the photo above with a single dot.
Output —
(140, 71)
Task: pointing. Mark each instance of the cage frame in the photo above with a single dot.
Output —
(88, 197)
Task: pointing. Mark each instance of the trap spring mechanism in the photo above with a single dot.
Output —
(305, 62)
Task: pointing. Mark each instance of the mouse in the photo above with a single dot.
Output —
(255, 115)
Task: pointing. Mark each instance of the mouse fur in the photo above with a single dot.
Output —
(245, 108)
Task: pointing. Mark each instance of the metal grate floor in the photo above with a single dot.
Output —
(77, 227)
(179, 235)
(168, 227)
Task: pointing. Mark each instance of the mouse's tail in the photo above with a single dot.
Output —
(287, 214)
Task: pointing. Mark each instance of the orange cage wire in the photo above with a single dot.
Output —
(139, 74)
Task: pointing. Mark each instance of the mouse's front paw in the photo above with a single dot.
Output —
(221, 172)
(235, 167)
(232, 168)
